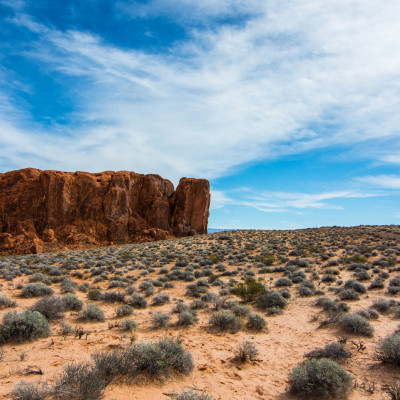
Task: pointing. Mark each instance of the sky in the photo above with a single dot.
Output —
(290, 108)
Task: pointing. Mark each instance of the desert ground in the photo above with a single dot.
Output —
(284, 292)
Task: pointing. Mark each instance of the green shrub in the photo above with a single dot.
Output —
(160, 320)
(71, 302)
(186, 318)
(94, 294)
(159, 359)
(256, 322)
(52, 307)
(246, 351)
(354, 323)
(80, 381)
(388, 350)
(93, 312)
(5, 302)
(137, 301)
(348, 294)
(29, 391)
(191, 395)
(36, 290)
(272, 299)
(383, 306)
(249, 290)
(128, 325)
(335, 351)
(283, 281)
(320, 378)
(225, 321)
(123, 310)
(26, 325)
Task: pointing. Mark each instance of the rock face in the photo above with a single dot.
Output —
(42, 210)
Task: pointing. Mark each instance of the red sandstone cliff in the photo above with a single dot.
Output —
(51, 209)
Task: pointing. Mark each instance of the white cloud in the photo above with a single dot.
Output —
(382, 181)
(279, 202)
(296, 76)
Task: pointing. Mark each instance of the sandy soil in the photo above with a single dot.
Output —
(282, 345)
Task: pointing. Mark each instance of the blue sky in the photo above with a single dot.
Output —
(289, 107)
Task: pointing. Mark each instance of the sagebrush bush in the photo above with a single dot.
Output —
(80, 381)
(123, 310)
(137, 301)
(270, 300)
(5, 302)
(354, 323)
(29, 391)
(191, 395)
(388, 350)
(225, 321)
(335, 351)
(71, 302)
(160, 320)
(93, 312)
(321, 378)
(26, 325)
(348, 294)
(36, 290)
(256, 322)
(128, 325)
(52, 307)
(186, 318)
(246, 351)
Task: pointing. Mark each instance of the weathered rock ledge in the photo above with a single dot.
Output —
(53, 210)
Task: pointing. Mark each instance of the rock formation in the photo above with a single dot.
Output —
(42, 210)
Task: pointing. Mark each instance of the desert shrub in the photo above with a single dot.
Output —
(249, 290)
(225, 321)
(186, 318)
(191, 395)
(80, 381)
(383, 306)
(284, 293)
(332, 308)
(348, 294)
(93, 312)
(26, 325)
(320, 378)
(71, 302)
(357, 286)
(198, 304)
(36, 290)
(160, 320)
(28, 391)
(94, 294)
(240, 310)
(335, 351)
(128, 325)
(158, 359)
(123, 310)
(328, 278)
(137, 301)
(195, 290)
(68, 286)
(113, 297)
(246, 351)
(160, 299)
(270, 300)
(283, 281)
(52, 307)
(5, 302)
(377, 283)
(354, 323)
(388, 350)
(305, 291)
(256, 322)
(369, 314)
(65, 328)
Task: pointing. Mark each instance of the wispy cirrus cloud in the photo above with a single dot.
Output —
(290, 77)
(381, 181)
(294, 202)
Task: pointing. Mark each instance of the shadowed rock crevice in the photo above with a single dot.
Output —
(51, 209)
